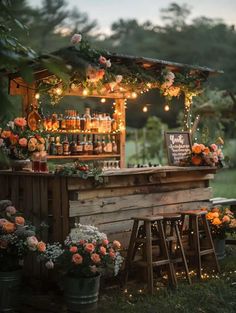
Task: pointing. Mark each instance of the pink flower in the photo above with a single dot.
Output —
(20, 121)
(105, 242)
(76, 38)
(32, 242)
(23, 142)
(102, 60)
(73, 249)
(11, 210)
(116, 244)
(95, 258)
(89, 247)
(214, 147)
(103, 250)
(77, 258)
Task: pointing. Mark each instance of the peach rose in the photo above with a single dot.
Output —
(209, 216)
(13, 139)
(215, 214)
(202, 146)
(196, 148)
(81, 242)
(6, 134)
(11, 210)
(116, 244)
(89, 247)
(23, 142)
(95, 258)
(19, 220)
(73, 249)
(206, 151)
(216, 221)
(3, 221)
(105, 242)
(103, 250)
(100, 73)
(196, 160)
(20, 121)
(76, 38)
(214, 147)
(32, 242)
(41, 246)
(8, 227)
(77, 258)
(226, 219)
(112, 254)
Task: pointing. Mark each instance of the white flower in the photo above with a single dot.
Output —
(76, 38)
(11, 124)
(108, 63)
(85, 232)
(119, 78)
(32, 242)
(49, 265)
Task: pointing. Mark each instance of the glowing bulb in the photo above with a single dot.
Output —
(103, 100)
(134, 95)
(149, 85)
(58, 91)
(72, 86)
(37, 96)
(166, 108)
(85, 92)
(145, 109)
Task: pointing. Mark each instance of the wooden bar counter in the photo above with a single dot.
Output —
(56, 202)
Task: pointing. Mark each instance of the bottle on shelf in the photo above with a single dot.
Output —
(63, 122)
(103, 144)
(52, 146)
(73, 146)
(66, 146)
(108, 123)
(79, 146)
(108, 147)
(78, 122)
(82, 123)
(114, 123)
(73, 121)
(55, 123)
(85, 145)
(90, 145)
(114, 146)
(87, 117)
(59, 148)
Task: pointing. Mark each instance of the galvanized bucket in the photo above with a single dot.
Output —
(81, 294)
(9, 290)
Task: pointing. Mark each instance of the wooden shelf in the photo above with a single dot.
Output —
(83, 157)
(75, 132)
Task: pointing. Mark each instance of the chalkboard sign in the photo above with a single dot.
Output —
(178, 146)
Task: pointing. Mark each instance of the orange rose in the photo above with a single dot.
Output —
(13, 139)
(23, 142)
(77, 258)
(209, 216)
(20, 121)
(196, 148)
(112, 254)
(41, 246)
(103, 250)
(202, 146)
(206, 150)
(89, 247)
(116, 244)
(73, 249)
(8, 227)
(6, 134)
(196, 160)
(216, 221)
(95, 258)
(215, 214)
(226, 219)
(19, 220)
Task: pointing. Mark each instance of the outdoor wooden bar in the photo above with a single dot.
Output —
(57, 202)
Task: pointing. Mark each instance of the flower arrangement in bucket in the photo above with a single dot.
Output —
(18, 142)
(208, 155)
(221, 221)
(17, 238)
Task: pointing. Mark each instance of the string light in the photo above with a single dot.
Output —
(103, 100)
(166, 108)
(145, 109)
(85, 92)
(134, 95)
(37, 96)
(58, 91)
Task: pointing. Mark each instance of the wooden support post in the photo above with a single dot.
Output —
(120, 110)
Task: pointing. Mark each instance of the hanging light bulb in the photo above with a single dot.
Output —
(103, 100)
(145, 109)
(166, 108)
(58, 91)
(85, 92)
(134, 95)
(37, 96)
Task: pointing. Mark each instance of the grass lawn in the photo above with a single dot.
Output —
(214, 295)
(224, 184)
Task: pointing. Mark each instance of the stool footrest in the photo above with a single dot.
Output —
(155, 263)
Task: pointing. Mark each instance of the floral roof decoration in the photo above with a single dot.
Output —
(103, 73)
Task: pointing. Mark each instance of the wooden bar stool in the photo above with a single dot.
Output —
(197, 250)
(147, 239)
(172, 234)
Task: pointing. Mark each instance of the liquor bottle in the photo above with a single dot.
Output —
(85, 145)
(114, 123)
(73, 119)
(79, 147)
(77, 121)
(108, 123)
(87, 117)
(104, 123)
(59, 147)
(90, 146)
(66, 146)
(55, 123)
(103, 144)
(114, 145)
(82, 123)
(52, 146)
(73, 146)
(67, 119)
(100, 123)
(109, 145)
(63, 122)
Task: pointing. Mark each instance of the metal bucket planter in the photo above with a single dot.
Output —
(9, 290)
(81, 293)
(219, 245)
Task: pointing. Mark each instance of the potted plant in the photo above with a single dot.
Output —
(208, 155)
(221, 221)
(17, 238)
(18, 142)
(86, 255)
